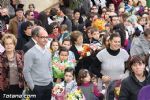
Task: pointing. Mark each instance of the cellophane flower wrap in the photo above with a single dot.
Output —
(58, 67)
(86, 50)
(58, 92)
(99, 24)
(77, 95)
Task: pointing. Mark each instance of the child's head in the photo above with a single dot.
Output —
(83, 76)
(95, 34)
(67, 43)
(63, 54)
(63, 28)
(94, 79)
(69, 74)
(54, 46)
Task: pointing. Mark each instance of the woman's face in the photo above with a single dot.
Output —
(55, 46)
(68, 77)
(31, 8)
(138, 68)
(63, 55)
(79, 40)
(115, 43)
(55, 29)
(9, 45)
(77, 15)
(28, 31)
(142, 21)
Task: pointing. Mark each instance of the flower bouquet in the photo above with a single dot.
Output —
(76, 95)
(58, 92)
(117, 88)
(99, 24)
(86, 50)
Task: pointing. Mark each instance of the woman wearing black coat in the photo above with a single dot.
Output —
(138, 78)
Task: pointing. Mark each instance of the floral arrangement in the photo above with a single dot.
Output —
(86, 50)
(58, 92)
(77, 95)
(117, 88)
(59, 66)
(99, 24)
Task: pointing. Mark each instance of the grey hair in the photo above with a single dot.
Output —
(35, 31)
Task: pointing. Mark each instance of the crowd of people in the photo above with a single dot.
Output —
(80, 50)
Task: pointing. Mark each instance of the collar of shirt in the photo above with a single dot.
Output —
(40, 49)
(34, 41)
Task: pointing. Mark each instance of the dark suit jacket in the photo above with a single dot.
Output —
(28, 45)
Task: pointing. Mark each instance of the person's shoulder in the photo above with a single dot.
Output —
(20, 52)
(13, 19)
(123, 50)
(30, 51)
(103, 51)
(127, 80)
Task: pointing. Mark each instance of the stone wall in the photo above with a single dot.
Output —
(40, 5)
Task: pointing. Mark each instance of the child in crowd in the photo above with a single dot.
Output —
(95, 43)
(54, 46)
(64, 33)
(89, 89)
(60, 63)
(67, 44)
(69, 85)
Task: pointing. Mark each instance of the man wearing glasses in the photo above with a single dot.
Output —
(37, 67)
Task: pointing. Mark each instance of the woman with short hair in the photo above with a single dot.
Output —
(11, 66)
(137, 78)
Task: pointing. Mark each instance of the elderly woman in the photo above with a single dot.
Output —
(11, 66)
(138, 78)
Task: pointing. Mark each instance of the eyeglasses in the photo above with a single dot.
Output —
(43, 37)
(32, 15)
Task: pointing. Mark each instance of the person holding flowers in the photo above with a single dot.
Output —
(68, 89)
(78, 48)
(60, 63)
(89, 89)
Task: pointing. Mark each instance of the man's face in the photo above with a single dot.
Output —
(42, 38)
(115, 20)
(19, 13)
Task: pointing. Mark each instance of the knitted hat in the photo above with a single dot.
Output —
(19, 7)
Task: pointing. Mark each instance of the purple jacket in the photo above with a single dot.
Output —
(144, 93)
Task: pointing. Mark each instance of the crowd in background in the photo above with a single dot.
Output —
(97, 48)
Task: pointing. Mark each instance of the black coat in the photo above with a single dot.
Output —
(28, 45)
(130, 87)
(21, 41)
